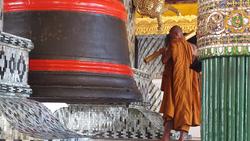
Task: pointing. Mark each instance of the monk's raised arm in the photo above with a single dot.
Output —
(166, 56)
(154, 55)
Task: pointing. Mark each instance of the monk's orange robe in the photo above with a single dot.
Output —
(181, 101)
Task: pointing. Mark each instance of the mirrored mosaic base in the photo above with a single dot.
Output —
(20, 115)
(112, 121)
(136, 124)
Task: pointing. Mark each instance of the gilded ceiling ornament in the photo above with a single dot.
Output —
(148, 26)
(153, 9)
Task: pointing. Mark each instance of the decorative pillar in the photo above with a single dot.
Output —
(224, 47)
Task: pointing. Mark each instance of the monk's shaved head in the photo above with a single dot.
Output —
(176, 32)
(176, 28)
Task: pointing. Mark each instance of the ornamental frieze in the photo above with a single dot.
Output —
(223, 28)
(148, 26)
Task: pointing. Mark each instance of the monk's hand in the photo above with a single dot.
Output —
(195, 53)
(194, 50)
(164, 60)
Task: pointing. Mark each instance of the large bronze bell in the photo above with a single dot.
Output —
(81, 50)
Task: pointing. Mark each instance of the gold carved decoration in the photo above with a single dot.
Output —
(154, 9)
(148, 26)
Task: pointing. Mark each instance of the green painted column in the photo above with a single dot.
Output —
(224, 48)
(226, 100)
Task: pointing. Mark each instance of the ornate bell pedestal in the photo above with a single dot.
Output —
(224, 47)
(81, 49)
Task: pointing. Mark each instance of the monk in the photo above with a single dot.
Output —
(181, 105)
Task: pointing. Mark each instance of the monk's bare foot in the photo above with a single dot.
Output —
(167, 130)
(182, 135)
(166, 137)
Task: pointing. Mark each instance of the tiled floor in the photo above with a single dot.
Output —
(194, 139)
